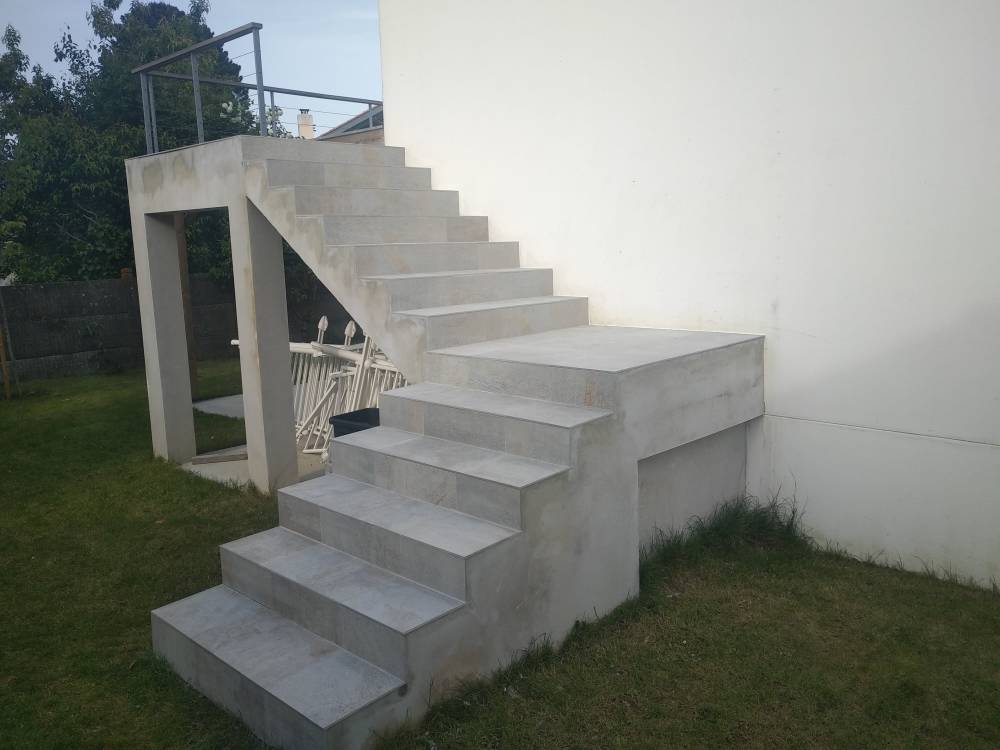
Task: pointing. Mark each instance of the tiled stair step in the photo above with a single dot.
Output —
(289, 685)
(453, 325)
(355, 604)
(478, 481)
(586, 364)
(286, 173)
(430, 257)
(291, 149)
(416, 539)
(416, 290)
(344, 230)
(513, 424)
(347, 201)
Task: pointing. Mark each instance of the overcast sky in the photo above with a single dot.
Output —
(329, 46)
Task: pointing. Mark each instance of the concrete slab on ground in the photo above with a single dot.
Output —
(227, 406)
(237, 472)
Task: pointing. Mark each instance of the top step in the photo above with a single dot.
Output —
(257, 148)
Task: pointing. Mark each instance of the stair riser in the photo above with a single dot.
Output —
(545, 442)
(266, 715)
(289, 149)
(563, 385)
(484, 325)
(347, 230)
(289, 173)
(372, 260)
(400, 554)
(494, 502)
(366, 202)
(361, 635)
(409, 294)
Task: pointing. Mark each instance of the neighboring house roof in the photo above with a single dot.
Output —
(358, 122)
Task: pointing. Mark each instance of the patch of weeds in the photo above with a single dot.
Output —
(942, 573)
(738, 523)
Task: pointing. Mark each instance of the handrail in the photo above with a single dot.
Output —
(273, 89)
(150, 70)
(216, 41)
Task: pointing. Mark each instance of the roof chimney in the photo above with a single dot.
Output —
(307, 127)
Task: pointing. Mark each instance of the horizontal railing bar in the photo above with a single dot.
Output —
(275, 89)
(352, 132)
(215, 41)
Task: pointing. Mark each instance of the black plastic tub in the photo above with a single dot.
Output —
(354, 421)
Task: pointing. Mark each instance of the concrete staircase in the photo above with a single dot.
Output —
(414, 273)
(496, 504)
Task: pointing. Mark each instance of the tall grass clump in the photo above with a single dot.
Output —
(735, 524)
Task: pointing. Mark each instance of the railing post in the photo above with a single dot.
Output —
(196, 83)
(261, 114)
(144, 91)
(370, 116)
(150, 89)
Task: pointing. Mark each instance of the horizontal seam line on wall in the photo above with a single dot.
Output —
(883, 429)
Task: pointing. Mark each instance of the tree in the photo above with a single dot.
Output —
(63, 198)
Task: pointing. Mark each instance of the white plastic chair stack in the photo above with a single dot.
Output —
(330, 379)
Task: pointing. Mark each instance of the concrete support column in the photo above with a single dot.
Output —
(262, 323)
(161, 308)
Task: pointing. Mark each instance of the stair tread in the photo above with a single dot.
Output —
(395, 217)
(339, 188)
(312, 151)
(430, 312)
(502, 404)
(446, 274)
(377, 202)
(598, 348)
(357, 174)
(321, 680)
(429, 243)
(449, 530)
(394, 601)
(481, 463)
(292, 159)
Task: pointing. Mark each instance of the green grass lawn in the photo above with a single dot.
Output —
(764, 643)
(219, 377)
(93, 534)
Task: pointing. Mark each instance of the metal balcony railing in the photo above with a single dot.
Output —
(151, 70)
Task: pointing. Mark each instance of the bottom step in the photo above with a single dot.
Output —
(291, 687)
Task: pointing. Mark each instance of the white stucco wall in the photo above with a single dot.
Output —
(826, 173)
